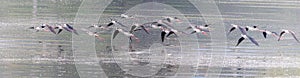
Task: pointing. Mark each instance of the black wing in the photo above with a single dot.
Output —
(43, 26)
(91, 26)
(265, 34)
(168, 19)
(281, 35)
(110, 24)
(69, 26)
(246, 28)
(130, 39)
(193, 32)
(31, 27)
(240, 40)
(233, 28)
(188, 28)
(115, 34)
(163, 35)
(171, 32)
(59, 31)
(132, 28)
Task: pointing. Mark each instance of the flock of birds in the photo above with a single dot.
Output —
(165, 25)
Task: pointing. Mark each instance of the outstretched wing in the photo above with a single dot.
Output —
(293, 34)
(281, 35)
(72, 29)
(51, 29)
(31, 27)
(171, 32)
(233, 28)
(132, 28)
(59, 31)
(115, 34)
(188, 28)
(120, 24)
(265, 34)
(143, 27)
(110, 24)
(69, 26)
(252, 40)
(163, 35)
(193, 32)
(242, 30)
(240, 40)
(275, 33)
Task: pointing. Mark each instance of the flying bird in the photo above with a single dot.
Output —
(172, 19)
(66, 27)
(126, 33)
(98, 26)
(245, 36)
(94, 34)
(266, 32)
(197, 29)
(51, 28)
(39, 28)
(234, 26)
(253, 28)
(126, 16)
(288, 31)
(136, 26)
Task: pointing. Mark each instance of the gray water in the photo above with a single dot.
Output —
(28, 54)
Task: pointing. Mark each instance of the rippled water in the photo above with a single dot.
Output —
(26, 53)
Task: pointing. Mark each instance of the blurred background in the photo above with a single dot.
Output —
(28, 54)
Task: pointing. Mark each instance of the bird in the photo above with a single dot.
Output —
(197, 29)
(126, 16)
(126, 33)
(266, 32)
(287, 31)
(94, 34)
(156, 25)
(171, 19)
(98, 27)
(39, 28)
(253, 28)
(51, 28)
(66, 27)
(113, 22)
(166, 32)
(234, 26)
(245, 36)
(42, 28)
(203, 27)
(60, 28)
(166, 21)
(136, 26)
